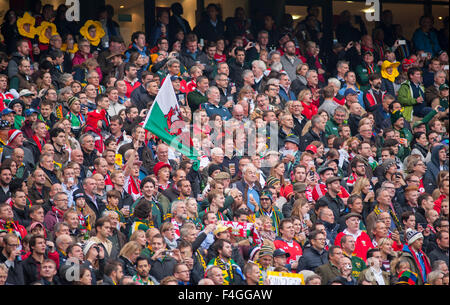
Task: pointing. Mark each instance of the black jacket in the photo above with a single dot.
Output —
(30, 270)
(207, 31)
(161, 269)
(311, 136)
(98, 209)
(311, 259)
(438, 254)
(22, 216)
(140, 97)
(145, 155)
(128, 267)
(336, 205)
(15, 273)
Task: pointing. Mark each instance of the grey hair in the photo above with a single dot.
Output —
(269, 56)
(84, 136)
(436, 74)
(216, 150)
(65, 77)
(308, 74)
(246, 72)
(64, 91)
(433, 276)
(335, 82)
(248, 167)
(341, 62)
(60, 238)
(172, 61)
(340, 109)
(210, 89)
(175, 205)
(259, 64)
(90, 74)
(315, 120)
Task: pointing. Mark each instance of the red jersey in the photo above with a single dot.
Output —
(362, 243)
(293, 248)
(320, 190)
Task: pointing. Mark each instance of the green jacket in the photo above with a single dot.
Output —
(362, 76)
(156, 213)
(405, 97)
(195, 99)
(327, 272)
(331, 128)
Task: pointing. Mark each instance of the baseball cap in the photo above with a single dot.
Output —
(280, 252)
(7, 111)
(443, 87)
(25, 92)
(175, 77)
(30, 111)
(312, 148)
(350, 91)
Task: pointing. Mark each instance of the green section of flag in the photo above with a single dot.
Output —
(156, 123)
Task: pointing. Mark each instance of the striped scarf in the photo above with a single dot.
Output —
(377, 212)
(227, 270)
(201, 259)
(218, 214)
(9, 226)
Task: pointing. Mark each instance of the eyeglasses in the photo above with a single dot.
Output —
(183, 271)
(265, 199)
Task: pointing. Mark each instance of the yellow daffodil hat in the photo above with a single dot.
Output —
(45, 31)
(99, 32)
(25, 25)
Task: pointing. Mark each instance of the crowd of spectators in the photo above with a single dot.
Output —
(355, 190)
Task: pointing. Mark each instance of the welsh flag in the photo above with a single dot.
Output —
(246, 230)
(164, 120)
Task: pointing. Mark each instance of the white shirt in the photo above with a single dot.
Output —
(378, 276)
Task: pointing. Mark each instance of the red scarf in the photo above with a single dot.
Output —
(133, 186)
(38, 142)
(426, 262)
(58, 212)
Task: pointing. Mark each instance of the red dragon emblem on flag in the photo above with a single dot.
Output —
(176, 126)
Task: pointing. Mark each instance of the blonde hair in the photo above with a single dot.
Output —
(129, 248)
(359, 185)
(135, 234)
(302, 94)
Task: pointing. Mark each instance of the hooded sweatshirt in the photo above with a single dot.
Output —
(433, 169)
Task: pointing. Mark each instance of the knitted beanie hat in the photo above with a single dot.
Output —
(407, 277)
(271, 181)
(72, 100)
(412, 236)
(13, 134)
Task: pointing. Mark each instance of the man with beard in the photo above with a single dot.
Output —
(231, 272)
(373, 96)
(143, 268)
